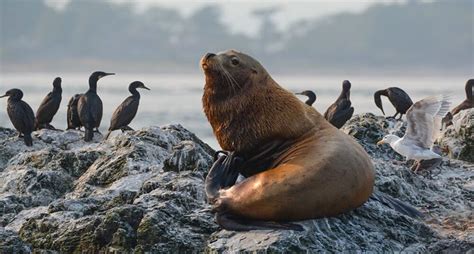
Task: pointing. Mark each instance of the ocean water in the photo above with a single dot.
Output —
(177, 98)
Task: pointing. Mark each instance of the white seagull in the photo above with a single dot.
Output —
(423, 125)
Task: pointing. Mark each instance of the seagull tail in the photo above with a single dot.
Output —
(445, 103)
(396, 204)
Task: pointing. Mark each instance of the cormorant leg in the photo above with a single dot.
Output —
(394, 116)
(97, 130)
(400, 118)
(230, 222)
(20, 135)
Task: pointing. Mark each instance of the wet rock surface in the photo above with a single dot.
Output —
(143, 191)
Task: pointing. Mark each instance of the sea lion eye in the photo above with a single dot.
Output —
(234, 60)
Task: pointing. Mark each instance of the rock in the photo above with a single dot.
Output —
(11, 243)
(458, 138)
(143, 191)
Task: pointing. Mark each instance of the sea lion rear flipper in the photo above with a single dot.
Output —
(223, 174)
(230, 222)
(396, 204)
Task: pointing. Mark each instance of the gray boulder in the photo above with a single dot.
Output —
(143, 191)
(458, 138)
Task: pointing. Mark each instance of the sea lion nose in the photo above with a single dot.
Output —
(209, 55)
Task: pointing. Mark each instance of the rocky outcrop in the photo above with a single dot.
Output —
(458, 138)
(143, 191)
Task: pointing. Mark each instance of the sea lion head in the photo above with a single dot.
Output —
(245, 106)
(228, 72)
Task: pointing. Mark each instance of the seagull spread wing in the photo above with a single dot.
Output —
(423, 118)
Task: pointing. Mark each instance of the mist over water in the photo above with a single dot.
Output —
(177, 98)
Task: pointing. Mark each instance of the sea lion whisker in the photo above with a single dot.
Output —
(226, 75)
(233, 79)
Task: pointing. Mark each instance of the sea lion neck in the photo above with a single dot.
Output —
(243, 122)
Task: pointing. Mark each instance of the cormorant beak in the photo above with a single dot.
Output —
(380, 142)
(4, 96)
(381, 108)
(106, 74)
(299, 93)
(144, 87)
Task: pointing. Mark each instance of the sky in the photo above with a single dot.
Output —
(238, 13)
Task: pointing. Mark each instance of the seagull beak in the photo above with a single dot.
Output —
(380, 142)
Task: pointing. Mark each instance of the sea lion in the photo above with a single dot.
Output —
(298, 166)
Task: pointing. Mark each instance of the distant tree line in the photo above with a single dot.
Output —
(436, 35)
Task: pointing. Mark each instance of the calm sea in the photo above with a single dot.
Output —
(177, 98)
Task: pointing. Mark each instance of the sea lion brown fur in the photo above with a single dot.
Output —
(298, 166)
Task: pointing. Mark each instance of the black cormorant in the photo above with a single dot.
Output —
(126, 111)
(49, 107)
(311, 97)
(73, 121)
(340, 111)
(468, 102)
(89, 106)
(21, 114)
(399, 99)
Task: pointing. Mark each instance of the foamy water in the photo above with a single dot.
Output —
(177, 98)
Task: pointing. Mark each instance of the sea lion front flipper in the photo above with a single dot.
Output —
(223, 173)
(229, 222)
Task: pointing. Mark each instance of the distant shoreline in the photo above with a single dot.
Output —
(189, 69)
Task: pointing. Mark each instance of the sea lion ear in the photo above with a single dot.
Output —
(254, 70)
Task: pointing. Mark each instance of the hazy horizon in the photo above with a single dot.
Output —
(148, 36)
(238, 13)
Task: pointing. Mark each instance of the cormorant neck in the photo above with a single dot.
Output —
(345, 94)
(311, 99)
(378, 100)
(92, 85)
(57, 89)
(134, 92)
(469, 86)
(382, 92)
(15, 97)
